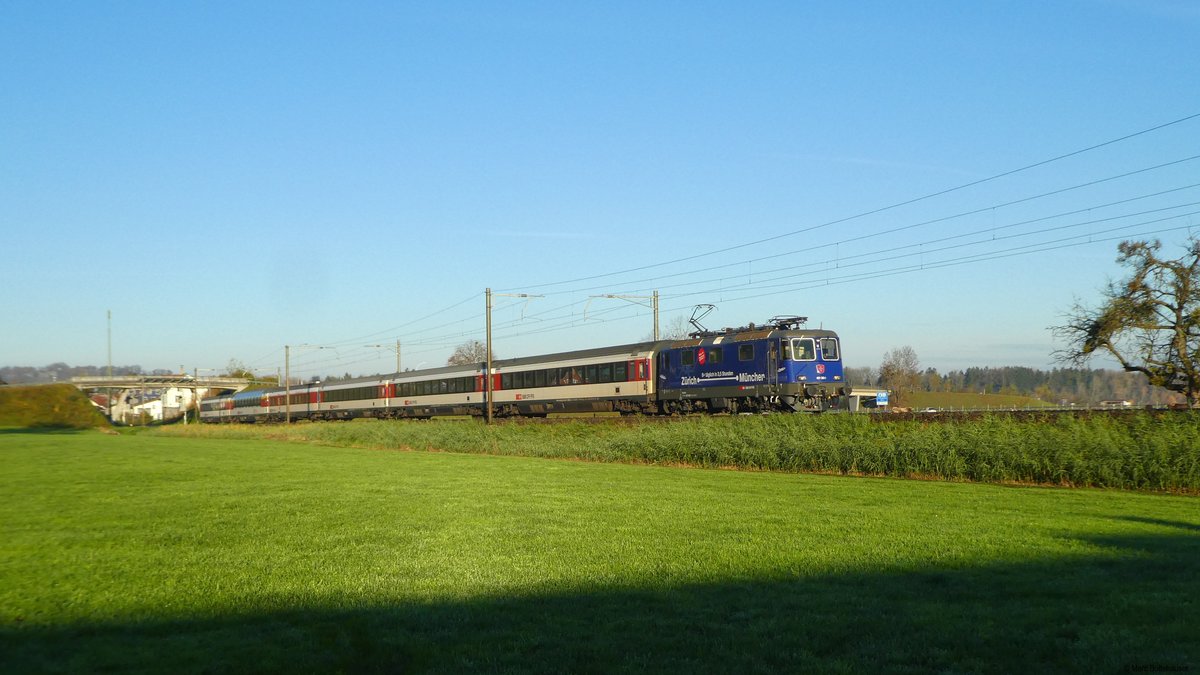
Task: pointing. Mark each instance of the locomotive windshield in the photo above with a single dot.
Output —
(805, 349)
(829, 349)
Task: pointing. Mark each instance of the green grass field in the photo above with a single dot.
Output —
(953, 400)
(153, 553)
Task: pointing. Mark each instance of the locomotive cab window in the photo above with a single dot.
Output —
(829, 349)
(714, 355)
(687, 357)
(745, 352)
(803, 349)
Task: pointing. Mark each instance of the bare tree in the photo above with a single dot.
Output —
(237, 368)
(676, 329)
(471, 351)
(1149, 322)
(865, 376)
(900, 371)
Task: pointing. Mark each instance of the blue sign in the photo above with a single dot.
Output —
(881, 398)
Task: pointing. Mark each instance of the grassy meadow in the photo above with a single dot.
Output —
(955, 400)
(155, 552)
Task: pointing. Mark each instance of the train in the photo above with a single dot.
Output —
(777, 366)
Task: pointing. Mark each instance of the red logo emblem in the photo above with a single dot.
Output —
(820, 368)
(701, 357)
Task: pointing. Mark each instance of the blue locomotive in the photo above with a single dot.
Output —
(779, 366)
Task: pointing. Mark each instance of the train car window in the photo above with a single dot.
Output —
(576, 375)
(539, 378)
(829, 349)
(745, 352)
(803, 349)
(620, 372)
(687, 357)
(591, 375)
(605, 373)
(506, 381)
(714, 355)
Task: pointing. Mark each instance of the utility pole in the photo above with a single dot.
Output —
(390, 348)
(653, 305)
(287, 376)
(108, 399)
(488, 375)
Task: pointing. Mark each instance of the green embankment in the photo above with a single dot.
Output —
(52, 406)
(154, 553)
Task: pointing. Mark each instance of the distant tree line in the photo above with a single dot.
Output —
(61, 372)
(1060, 385)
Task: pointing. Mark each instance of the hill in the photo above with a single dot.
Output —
(48, 406)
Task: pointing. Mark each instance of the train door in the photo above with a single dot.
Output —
(772, 362)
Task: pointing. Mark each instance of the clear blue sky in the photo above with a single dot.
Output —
(229, 178)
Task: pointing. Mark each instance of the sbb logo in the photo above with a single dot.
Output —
(820, 368)
(701, 357)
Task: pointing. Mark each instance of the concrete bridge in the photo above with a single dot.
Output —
(159, 382)
(127, 393)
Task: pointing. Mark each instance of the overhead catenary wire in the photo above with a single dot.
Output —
(878, 210)
(564, 315)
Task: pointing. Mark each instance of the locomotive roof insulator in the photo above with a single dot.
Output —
(788, 322)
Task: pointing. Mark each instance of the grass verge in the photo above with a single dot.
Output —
(150, 553)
